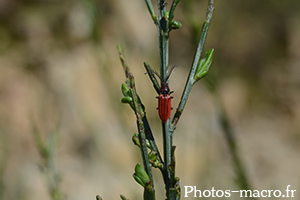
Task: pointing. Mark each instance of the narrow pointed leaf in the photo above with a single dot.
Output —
(204, 65)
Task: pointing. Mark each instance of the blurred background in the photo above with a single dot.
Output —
(64, 133)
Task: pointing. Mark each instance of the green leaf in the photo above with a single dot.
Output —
(157, 164)
(125, 90)
(136, 140)
(123, 197)
(204, 65)
(98, 197)
(176, 24)
(152, 156)
(141, 175)
(167, 14)
(126, 100)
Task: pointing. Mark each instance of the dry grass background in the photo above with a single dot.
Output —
(60, 74)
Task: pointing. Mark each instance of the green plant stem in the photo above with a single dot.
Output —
(152, 77)
(167, 153)
(151, 11)
(53, 176)
(47, 152)
(164, 54)
(167, 142)
(142, 135)
(231, 141)
(172, 192)
(190, 80)
(171, 15)
(163, 38)
(151, 140)
(241, 177)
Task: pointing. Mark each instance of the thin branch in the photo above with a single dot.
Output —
(163, 38)
(154, 147)
(190, 80)
(153, 79)
(152, 12)
(138, 111)
(171, 15)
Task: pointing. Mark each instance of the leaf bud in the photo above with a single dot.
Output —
(166, 14)
(204, 65)
(176, 24)
(125, 90)
(136, 139)
(141, 176)
(126, 100)
(152, 156)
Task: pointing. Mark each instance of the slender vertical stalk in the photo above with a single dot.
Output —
(241, 176)
(151, 11)
(163, 35)
(148, 194)
(174, 4)
(163, 38)
(190, 81)
(47, 152)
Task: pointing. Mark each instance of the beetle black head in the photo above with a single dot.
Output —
(164, 89)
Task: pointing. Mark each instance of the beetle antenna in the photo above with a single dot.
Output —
(171, 71)
(155, 72)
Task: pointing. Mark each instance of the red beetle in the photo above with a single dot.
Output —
(164, 99)
(164, 102)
